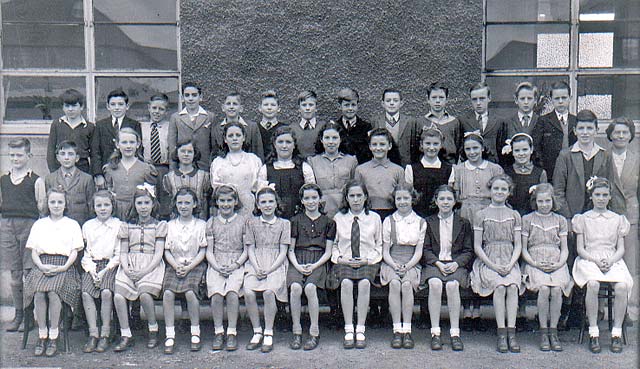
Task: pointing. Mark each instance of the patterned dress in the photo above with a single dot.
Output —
(197, 180)
(331, 176)
(470, 183)
(225, 236)
(123, 182)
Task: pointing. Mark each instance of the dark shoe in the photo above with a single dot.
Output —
(123, 344)
(266, 348)
(232, 342)
(396, 341)
(153, 340)
(311, 343)
(14, 325)
(349, 343)
(544, 341)
(103, 344)
(554, 341)
(479, 325)
(467, 324)
(616, 345)
(254, 346)
(218, 342)
(90, 346)
(407, 341)
(296, 342)
(502, 345)
(361, 343)
(514, 346)
(456, 343)
(168, 349)
(40, 347)
(52, 348)
(594, 345)
(436, 343)
(196, 346)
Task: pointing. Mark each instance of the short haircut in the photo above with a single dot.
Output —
(67, 144)
(480, 86)
(307, 94)
(539, 189)
(526, 86)
(560, 85)
(391, 90)
(196, 153)
(227, 189)
(625, 122)
(381, 132)
(437, 86)
(118, 93)
(193, 85)
(20, 143)
(269, 94)
(586, 115)
(235, 94)
(72, 97)
(348, 94)
(159, 97)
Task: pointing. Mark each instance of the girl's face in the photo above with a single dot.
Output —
(310, 200)
(267, 204)
(620, 136)
(127, 144)
(186, 154)
(403, 200)
(356, 199)
(431, 147)
(226, 204)
(144, 206)
(331, 141)
(521, 152)
(600, 197)
(103, 208)
(544, 202)
(473, 150)
(234, 139)
(379, 146)
(499, 191)
(445, 200)
(284, 146)
(185, 204)
(56, 203)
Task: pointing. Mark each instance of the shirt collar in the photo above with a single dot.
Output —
(264, 122)
(395, 118)
(587, 155)
(271, 222)
(312, 122)
(432, 116)
(410, 218)
(112, 223)
(523, 168)
(71, 174)
(437, 164)
(349, 122)
(447, 219)
(483, 115)
(227, 221)
(622, 156)
(201, 111)
(190, 174)
(240, 120)
(521, 115)
(118, 120)
(564, 116)
(380, 163)
(160, 124)
(339, 156)
(596, 214)
(83, 122)
(470, 166)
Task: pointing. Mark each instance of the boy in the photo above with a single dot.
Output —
(306, 130)
(437, 95)
(78, 185)
(232, 108)
(156, 147)
(403, 128)
(523, 121)
(555, 131)
(71, 126)
(103, 140)
(480, 120)
(269, 108)
(192, 123)
(356, 141)
(22, 200)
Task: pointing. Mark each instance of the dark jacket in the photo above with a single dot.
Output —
(547, 140)
(490, 134)
(461, 246)
(356, 142)
(103, 142)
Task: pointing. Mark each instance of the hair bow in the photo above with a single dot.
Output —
(590, 182)
(473, 133)
(434, 127)
(506, 149)
(266, 185)
(147, 187)
(532, 189)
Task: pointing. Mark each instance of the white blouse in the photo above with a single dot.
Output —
(58, 237)
(185, 240)
(102, 243)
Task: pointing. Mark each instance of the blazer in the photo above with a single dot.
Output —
(461, 245)
(356, 142)
(547, 140)
(510, 126)
(181, 129)
(253, 141)
(490, 134)
(103, 142)
(625, 189)
(80, 190)
(408, 136)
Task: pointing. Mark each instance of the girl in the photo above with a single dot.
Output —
(100, 263)
(402, 239)
(187, 174)
(448, 252)
(523, 172)
(184, 251)
(600, 243)
(497, 244)
(312, 235)
(545, 252)
(470, 180)
(284, 168)
(54, 242)
(267, 237)
(126, 170)
(237, 167)
(356, 254)
(430, 172)
(141, 270)
(226, 255)
(331, 167)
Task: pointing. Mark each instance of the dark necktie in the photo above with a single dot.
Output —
(268, 125)
(156, 153)
(392, 122)
(307, 125)
(525, 120)
(355, 238)
(116, 126)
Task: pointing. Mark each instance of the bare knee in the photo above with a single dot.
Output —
(556, 292)
(119, 299)
(168, 295)
(190, 296)
(268, 294)
(407, 287)
(452, 287)
(347, 284)
(394, 286)
(250, 295)
(512, 289)
(621, 289)
(310, 289)
(296, 289)
(364, 284)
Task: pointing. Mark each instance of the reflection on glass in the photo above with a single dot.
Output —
(610, 96)
(139, 47)
(139, 11)
(610, 44)
(503, 88)
(37, 98)
(44, 11)
(527, 10)
(608, 10)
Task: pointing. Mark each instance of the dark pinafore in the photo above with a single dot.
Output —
(288, 183)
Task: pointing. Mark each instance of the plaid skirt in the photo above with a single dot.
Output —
(317, 277)
(107, 283)
(66, 285)
(190, 282)
(368, 272)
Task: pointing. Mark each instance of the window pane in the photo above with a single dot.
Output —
(43, 46)
(610, 96)
(527, 10)
(139, 91)
(139, 11)
(610, 44)
(608, 10)
(136, 47)
(43, 11)
(503, 88)
(37, 98)
(527, 46)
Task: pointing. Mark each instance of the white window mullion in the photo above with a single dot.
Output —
(89, 37)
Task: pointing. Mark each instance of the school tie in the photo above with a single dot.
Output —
(156, 153)
(116, 126)
(392, 122)
(565, 133)
(480, 123)
(525, 120)
(355, 238)
(307, 125)
(268, 125)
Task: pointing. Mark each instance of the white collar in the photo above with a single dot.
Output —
(470, 166)
(201, 111)
(395, 118)
(437, 164)
(312, 122)
(271, 222)
(240, 120)
(595, 214)
(409, 218)
(82, 121)
(227, 221)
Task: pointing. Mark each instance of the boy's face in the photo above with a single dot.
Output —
(437, 100)
(560, 99)
(392, 102)
(480, 100)
(157, 110)
(19, 157)
(117, 106)
(585, 131)
(269, 108)
(349, 108)
(67, 158)
(72, 111)
(308, 108)
(191, 98)
(232, 107)
(525, 100)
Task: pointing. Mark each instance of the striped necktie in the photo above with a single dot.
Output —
(156, 153)
(355, 238)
